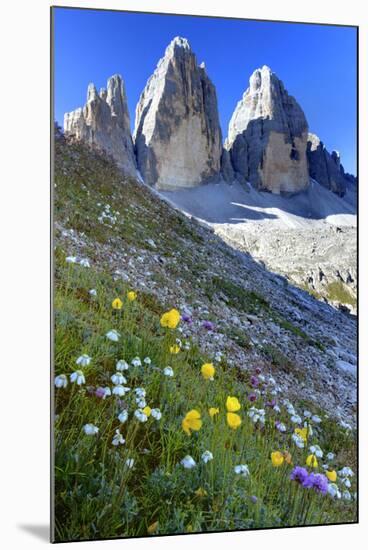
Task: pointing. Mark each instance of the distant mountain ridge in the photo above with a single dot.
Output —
(177, 140)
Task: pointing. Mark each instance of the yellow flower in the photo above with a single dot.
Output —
(200, 492)
(208, 371)
(152, 528)
(213, 411)
(232, 404)
(131, 295)
(192, 421)
(302, 432)
(174, 349)
(170, 319)
(147, 411)
(233, 420)
(117, 303)
(277, 458)
(332, 476)
(312, 461)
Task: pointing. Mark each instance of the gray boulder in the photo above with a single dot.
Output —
(177, 132)
(104, 123)
(267, 136)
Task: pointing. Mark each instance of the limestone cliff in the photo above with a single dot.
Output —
(326, 167)
(267, 136)
(104, 123)
(177, 132)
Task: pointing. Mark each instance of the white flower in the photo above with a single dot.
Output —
(346, 495)
(113, 335)
(316, 450)
(122, 365)
(281, 427)
(257, 415)
(272, 381)
(136, 362)
(90, 429)
(156, 413)
(120, 390)
(346, 472)
(118, 439)
(118, 378)
(296, 419)
(141, 402)
(218, 356)
(93, 292)
(78, 377)
(333, 490)
(188, 462)
(187, 346)
(347, 482)
(307, 414)
(140, 392)
(147, 361)
(129, 462)
(207, 456)
(84, 262)
(330, 456)
(140, 416)
(71, 259)
(168, 371)
(84, 360)
(299, 442)
(277, 408)
(242, 469)
(107, 392)
(261, 377)
(310, 429)
(316, 419)
(61, 381)
(123, 416)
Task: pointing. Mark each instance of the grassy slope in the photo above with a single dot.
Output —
(96, 494)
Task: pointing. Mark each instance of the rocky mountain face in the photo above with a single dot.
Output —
(267, 137)
(104, 123)
(326, 167)
(177, 132)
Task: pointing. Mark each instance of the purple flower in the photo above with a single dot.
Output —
(187, 319)
(254, 499)
(208, 325)
(299, 474)
(258, 370)
(319, 483)
(252, 397)
(254, 381)
(100, 392)
(271, 403)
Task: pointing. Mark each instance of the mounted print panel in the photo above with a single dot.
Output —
(205, 274)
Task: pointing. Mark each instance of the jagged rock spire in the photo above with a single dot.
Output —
(104, 122)
(267, 136)
(177, 132)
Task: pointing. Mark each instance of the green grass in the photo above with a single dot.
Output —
(244, 300)
(96, 494)
(338, 292)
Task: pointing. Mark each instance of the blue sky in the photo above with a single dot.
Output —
(316, 63)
